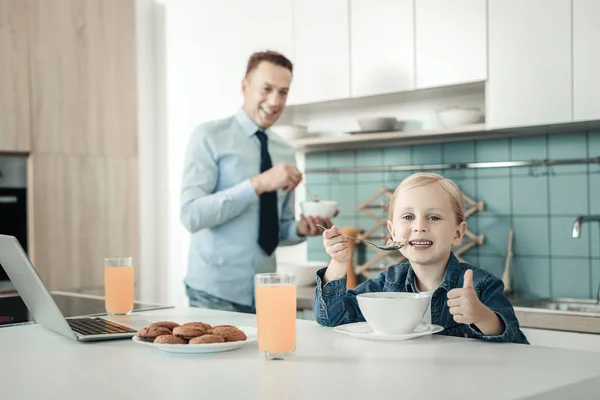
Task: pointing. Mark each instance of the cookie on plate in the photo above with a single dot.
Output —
(205, 339)
(164, 324)
(229, 332)
(152, 332)
(198, 323)
(190, 331)
(169, 339)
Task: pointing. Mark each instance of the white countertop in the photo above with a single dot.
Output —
(37, 363)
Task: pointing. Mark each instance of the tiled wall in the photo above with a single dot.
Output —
(539, 204)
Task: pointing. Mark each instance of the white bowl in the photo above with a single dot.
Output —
(393, 313)
(305, 273)
(290, 132)
(455, 116)
(377, 123)
(322, 208)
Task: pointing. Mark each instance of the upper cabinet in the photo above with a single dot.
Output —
(81, 53)
(530, 76)
(450, 42)
(586, 60)
(381, 46)
(15, 131)
(321, 51)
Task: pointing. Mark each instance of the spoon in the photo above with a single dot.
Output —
(314, 196)
(385, 248)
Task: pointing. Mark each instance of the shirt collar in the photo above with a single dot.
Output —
(450, 276)
(249, 127)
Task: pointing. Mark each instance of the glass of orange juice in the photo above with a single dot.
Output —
(276, 315)
(118, 285)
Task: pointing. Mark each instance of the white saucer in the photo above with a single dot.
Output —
(362, 330)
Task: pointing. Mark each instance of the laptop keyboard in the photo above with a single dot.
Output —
(97, 326)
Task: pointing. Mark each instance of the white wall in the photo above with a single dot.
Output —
(151, 158)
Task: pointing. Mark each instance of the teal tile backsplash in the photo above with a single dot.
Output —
(540, 204)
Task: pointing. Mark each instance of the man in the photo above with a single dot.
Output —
(237, 197)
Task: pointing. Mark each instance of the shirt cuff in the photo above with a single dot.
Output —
(503, 337)
(243, 192)
(331, 289)
(292, 234)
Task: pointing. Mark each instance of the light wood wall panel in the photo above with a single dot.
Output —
(14, 76)
(83, 77)
(86, 209)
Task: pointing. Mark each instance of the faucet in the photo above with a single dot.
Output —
(577, 233)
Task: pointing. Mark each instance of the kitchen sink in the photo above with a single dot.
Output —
(560, 305)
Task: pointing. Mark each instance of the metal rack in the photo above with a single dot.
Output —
(497, 164)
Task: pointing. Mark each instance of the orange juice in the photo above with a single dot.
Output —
(276, 318)
(118, 289)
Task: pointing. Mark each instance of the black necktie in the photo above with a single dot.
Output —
(268, 236)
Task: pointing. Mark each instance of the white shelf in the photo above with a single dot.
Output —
(406, 138)
(361, 140)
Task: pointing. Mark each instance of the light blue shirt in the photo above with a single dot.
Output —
(220, 208)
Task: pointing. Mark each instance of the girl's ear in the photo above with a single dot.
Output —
(460, 232)
(390, 228)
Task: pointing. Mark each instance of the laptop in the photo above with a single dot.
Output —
(42, 306)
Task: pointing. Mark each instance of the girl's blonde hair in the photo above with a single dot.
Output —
(427, 178)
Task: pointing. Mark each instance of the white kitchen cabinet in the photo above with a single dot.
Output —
(586, 60)
(450, 42)
(381, 46)
(209, 44)
(321, 51)
(530, 74)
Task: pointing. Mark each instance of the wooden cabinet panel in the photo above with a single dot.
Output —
(86, 209)
(83, 77)
(14, 84)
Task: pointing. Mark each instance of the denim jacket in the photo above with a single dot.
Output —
(334, 305)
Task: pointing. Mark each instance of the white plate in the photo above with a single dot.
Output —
(251, 334)
(362, 330)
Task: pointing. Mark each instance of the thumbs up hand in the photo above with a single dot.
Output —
(464, 304)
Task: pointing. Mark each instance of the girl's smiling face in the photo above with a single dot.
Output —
(424, 216)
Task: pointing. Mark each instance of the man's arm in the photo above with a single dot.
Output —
(288, 235)
(201, 206)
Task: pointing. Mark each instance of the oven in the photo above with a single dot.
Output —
(13, 203)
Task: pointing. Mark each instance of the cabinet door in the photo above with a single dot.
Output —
(321, 51)
(529, 63)
(15, 129)
(586, 60)
(209, 45)
(382, 56)
(450, 42)
(83, 77)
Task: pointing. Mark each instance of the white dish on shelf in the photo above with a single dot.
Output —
(453, 117)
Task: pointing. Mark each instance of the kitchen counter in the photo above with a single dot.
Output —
(329, 364)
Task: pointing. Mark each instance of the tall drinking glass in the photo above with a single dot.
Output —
(276, 315)
(118, 285)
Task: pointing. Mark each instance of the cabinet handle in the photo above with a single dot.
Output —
(8, 199)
